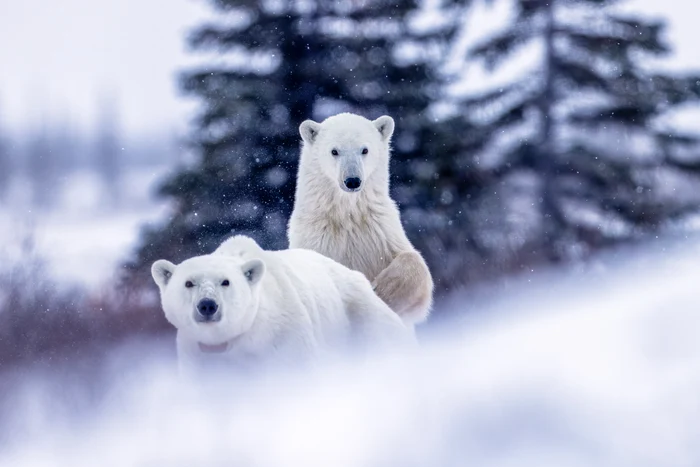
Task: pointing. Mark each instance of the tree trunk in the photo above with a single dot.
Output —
(551, 218)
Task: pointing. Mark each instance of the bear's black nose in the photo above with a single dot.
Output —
(207, 307)
(353, 183)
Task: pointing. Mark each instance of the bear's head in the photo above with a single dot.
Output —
(212, 299)
(348, 148)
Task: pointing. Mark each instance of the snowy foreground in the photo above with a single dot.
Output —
(597, 368)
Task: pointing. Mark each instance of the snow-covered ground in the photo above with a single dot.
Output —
(84, 236)
(597, 368)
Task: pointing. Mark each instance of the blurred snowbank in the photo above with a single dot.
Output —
(590, 368)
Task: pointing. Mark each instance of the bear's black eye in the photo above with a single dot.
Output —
(189, 284)
(365, 151)
(334, 152)
(225, 283)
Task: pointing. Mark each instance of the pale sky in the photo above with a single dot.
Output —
(58, 57)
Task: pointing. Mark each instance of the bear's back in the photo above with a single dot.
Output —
(315, 283)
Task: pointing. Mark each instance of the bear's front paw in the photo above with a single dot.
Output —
(389, 289)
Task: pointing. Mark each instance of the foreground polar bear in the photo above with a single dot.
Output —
(342, 210)
(251, 305)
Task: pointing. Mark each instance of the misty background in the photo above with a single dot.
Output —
(96, 85)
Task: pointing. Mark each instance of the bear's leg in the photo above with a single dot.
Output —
(406, 286)
(298, 346)
(372, 321)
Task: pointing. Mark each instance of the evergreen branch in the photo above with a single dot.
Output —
(491, 98)
(610, 45)
(528, 9)
(642, 33)
(676, 90)
(692, 166)
(580, 75)
(595, 3)
(677, 139)
(512, 116)
(216, 37)
(228, 5)
(635, 115)
(608, 48)
(498, 48)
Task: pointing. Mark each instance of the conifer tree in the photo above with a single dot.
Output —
(572, 155)
(6, 165)
(42, 168)
(107, 154)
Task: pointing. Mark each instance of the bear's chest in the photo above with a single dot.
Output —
(358, 241)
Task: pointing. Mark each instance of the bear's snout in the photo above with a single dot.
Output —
(353, 183)
(207, 307)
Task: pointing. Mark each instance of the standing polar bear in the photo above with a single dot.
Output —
(342, 210)
(250, 305)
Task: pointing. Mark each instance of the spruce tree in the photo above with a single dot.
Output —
(284, 62)
(42, 167)
(570, 156)
(6, 165)
(107, 155)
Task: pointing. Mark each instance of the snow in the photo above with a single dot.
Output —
(565, 369)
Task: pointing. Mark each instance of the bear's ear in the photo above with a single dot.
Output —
(162, 270)
(309, 131)
(253, 270)
(385, 126)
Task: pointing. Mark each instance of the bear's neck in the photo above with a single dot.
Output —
(317, 193)
(259, 333)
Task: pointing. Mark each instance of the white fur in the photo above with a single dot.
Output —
(361, 230)
(296, 304)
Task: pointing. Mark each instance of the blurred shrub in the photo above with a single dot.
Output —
(43, 322)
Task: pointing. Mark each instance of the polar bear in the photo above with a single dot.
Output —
(253, 305)
(342, 210)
